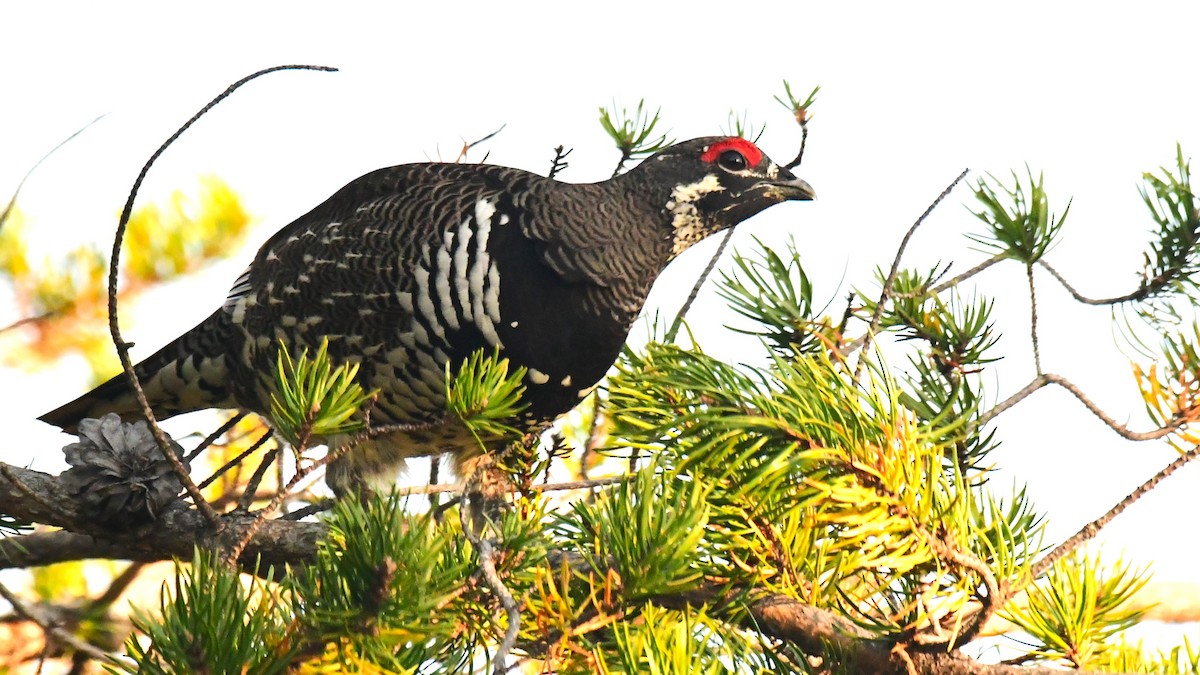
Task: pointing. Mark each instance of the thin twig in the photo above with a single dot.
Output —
(954, 281)
(39, 318)
(467, 146)
(256, 478)
(311, 509)
(371, 432)
(559, 163)
(435, 466)
(1140, 294)
(212, 438)
(886, 293)
(456, 488)
(626, 155)
(803, 144)
(12, 201)
(236, 460)
(470, 514)
(487, 563)
(1088, 531)
(1033, 321)
(858, 342)
(59, 633)
(284, 492)
(114, 271)
(687, 304)
(1050, 378)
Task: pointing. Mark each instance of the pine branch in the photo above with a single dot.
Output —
(1091, 529)
(41, 498)
(114, 270)
(691, 298)
(1140, 294)
(815, 631)
(885, 293)
(52, 629)
(1050, 378)
(1033, 321)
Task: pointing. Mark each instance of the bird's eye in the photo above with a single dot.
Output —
(732, 160)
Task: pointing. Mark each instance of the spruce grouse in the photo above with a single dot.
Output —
(412, 267)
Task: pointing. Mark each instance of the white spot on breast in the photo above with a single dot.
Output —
(442, 284)
(461, 262)
(513, 324)
(484, 210)
(483, 280)
(538, 377)
(491, 298)
(425, 302)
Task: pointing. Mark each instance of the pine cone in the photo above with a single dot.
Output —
(119, 473)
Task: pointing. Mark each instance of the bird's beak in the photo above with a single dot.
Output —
(789, 188)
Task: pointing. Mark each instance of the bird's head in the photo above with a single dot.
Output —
(716, 183)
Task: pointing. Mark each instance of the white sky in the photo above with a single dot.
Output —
(910, 96)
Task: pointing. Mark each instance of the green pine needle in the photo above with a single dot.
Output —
(314, 398)
(634, 134)
(1073, 613)
(212, 623)
(1021, 224)
(486, 396)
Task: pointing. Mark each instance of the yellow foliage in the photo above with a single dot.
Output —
(64, 301)
(14, 255)
(166, 241)
(1171, 395)
(61, 582)
(239, 439)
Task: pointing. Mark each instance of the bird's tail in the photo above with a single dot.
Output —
(190, 373)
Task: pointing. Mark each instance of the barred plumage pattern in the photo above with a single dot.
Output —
(412, 267)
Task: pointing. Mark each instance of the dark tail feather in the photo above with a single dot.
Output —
(188, 374)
